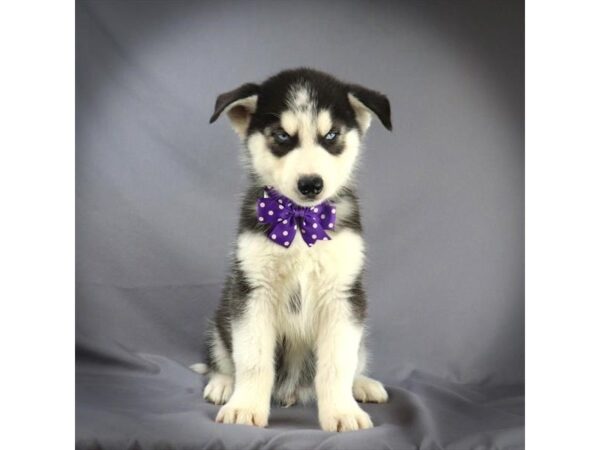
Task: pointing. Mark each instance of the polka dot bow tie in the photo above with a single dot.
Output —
(285, 217)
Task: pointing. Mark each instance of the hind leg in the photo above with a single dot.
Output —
(365, 389)
(220, 384)
(368, 390)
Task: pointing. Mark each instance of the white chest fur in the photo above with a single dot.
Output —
(298, 280)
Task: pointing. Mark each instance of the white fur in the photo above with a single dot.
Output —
(253, 341)
(337, 347)
(299, 96)
(323, 275)
(363, 114)
(324, 122)
(240, 112)
(219, 388)
(319, 272)
(201, 368)
(367, 390)
(289, 122)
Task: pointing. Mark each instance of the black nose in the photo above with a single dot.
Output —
(310, 185)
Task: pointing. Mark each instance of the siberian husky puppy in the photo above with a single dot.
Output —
(290, 325)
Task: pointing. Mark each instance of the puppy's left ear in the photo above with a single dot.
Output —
(366, 102)
(239, 105)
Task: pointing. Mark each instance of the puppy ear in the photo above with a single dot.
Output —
(239, 105)
(366, 102)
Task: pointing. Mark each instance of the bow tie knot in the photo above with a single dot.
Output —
(285, 218)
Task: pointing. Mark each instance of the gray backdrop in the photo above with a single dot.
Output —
(445, 188)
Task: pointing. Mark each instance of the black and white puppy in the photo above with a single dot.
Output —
(290, 324)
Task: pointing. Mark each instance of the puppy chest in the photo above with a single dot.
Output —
(299, 279)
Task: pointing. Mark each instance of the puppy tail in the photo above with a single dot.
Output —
(201, 368)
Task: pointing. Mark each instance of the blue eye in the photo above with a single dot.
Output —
(331, 136)
(281, 137)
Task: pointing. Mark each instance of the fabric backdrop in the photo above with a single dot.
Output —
(445, 189)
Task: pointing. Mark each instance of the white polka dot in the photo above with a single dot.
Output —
(303, 231)
(295, 227)
(310, 245)
(314, 236)
(316, 209)
(322, 216)
(273, 236)
(285, 222)
(260, 219)
(280, 201)
(270, 213)
(286, 243)
(330, 225)
(285, 233)
(262, 204)
(325, 238)
(280, 206)
(333, 211)
(315, 225)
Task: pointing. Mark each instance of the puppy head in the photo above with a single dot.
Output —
(302, 129)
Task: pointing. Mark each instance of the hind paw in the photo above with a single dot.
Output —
(368, 390)
(219, 389)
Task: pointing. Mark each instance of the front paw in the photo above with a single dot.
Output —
(347, 418)
(235, 412)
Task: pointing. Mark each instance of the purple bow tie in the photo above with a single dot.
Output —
(285, 217)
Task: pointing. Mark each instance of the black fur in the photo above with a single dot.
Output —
(279, 149)
(295, 302)
(226, 99)
(233, 304)
(351, 220)
(248, 220)
(282, 370)
(375, 101)
(309, 369)
(358, 299)
(327, 93)
(335, 147)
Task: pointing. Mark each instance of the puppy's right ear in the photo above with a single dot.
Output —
(367, 102)
(239, 105)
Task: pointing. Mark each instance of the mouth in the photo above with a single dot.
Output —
(300, 199)
(307, 200)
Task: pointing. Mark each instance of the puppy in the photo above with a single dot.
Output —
(290, 324)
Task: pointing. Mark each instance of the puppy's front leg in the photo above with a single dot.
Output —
(253, 342)
(338, 342)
